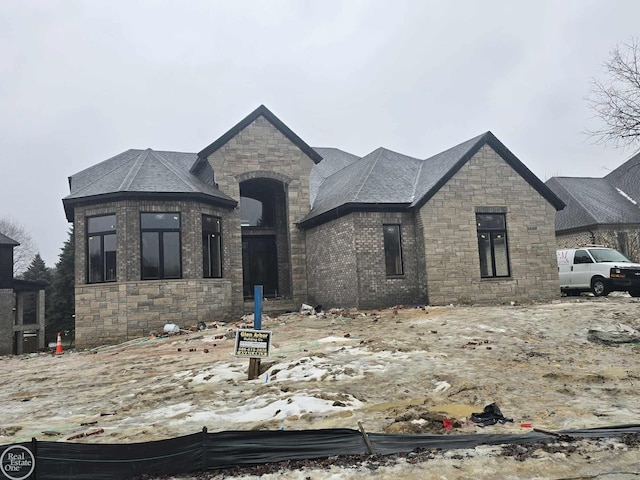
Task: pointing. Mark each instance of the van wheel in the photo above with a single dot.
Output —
(634, 293)
(599, 288)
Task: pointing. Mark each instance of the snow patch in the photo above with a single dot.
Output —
(221, 372)
(626, 196)
(334, 339)
(267, 407)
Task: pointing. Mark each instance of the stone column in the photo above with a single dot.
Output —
(19, 320)
(41, 319)
(7, 301)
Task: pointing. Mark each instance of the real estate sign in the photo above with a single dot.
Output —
(252, 343)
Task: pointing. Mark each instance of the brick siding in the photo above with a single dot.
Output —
(346, 262)
(332, 264)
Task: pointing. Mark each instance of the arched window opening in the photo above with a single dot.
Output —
(257, 203)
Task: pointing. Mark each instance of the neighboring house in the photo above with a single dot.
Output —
(601, 211)
(16, 336)
(166, 237)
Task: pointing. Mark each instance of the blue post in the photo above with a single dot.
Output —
(257, 307)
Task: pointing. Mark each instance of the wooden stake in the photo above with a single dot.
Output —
(366, 439)
(254, 368)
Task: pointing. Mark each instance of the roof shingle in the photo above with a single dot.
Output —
(592, 201)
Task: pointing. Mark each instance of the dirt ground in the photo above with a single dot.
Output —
(399, 370)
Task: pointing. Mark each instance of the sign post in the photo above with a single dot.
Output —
(254, 344)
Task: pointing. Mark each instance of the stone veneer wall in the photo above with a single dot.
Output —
(626, 240)
(118, 311)
(346, 262)
(451, 243)
(115, 312)
(261, 151)
(7, 319)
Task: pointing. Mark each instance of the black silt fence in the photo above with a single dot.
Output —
(204, 451)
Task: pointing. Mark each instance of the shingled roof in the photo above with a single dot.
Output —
(340, 182)
(595, 201)
(4, 240)
(627, 177)
(137, 173)
(388, 180)
(333, 160)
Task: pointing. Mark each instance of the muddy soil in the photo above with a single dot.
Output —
(399, 370)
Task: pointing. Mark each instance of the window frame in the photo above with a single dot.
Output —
(160, 231)
(493, 233)
(207, 258)
(103, 258)
(398, 259)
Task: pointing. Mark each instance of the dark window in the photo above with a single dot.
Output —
(492, 244)
(581, 256)
(257, 203)
(211, 247)
(101, 249)
(392, 249)
(160, 245)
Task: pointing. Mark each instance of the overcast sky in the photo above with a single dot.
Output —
(81, 81)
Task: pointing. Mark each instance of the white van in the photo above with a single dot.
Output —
(597, 269)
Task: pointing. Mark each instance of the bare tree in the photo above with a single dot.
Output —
(22, 254)
(616, 101)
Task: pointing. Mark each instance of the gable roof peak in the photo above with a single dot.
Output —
(246, 121)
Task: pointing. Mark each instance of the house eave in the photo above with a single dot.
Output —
(598, 226)
(71, 203)
(490, 139)
(348, 208)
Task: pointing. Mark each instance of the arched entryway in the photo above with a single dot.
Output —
(265, 238)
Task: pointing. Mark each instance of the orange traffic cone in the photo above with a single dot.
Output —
(59, 345)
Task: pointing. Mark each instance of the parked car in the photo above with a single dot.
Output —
(598, 270)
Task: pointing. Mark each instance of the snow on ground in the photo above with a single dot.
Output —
(394, 370)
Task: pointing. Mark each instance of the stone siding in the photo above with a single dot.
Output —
(116, 312)
(451, 242)
(347, 265)
(261, 151)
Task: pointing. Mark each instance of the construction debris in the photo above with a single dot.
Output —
(88, 433)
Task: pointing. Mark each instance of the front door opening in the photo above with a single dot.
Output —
(266, 258)
(260, 265)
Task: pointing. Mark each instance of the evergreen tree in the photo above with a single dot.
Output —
(37, 271)
(61, 314)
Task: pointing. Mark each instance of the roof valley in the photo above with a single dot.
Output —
(415, 183)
